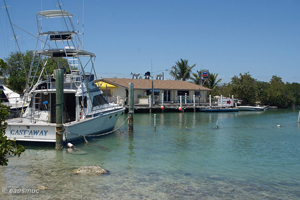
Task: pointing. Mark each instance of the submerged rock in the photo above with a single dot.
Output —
(90, 170)
(41, 187)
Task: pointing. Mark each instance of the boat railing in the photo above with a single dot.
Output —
(73, 79)
(116, 99)
(110, 106)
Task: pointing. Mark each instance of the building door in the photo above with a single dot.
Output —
(167, 95)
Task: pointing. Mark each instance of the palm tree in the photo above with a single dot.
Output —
(181, 71)
(211, 82)
(195, 78)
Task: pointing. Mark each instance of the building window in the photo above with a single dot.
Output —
(156, 92)
(182, 92)
(106, 93)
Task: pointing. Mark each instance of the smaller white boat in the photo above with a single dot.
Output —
(252, 108)
(12, 100)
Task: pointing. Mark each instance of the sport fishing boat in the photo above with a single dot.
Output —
(85, 110)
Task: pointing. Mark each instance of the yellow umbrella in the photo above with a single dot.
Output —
(104, 85)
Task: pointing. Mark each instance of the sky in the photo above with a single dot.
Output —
(227, 37)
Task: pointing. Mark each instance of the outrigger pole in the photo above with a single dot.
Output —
(15, 37)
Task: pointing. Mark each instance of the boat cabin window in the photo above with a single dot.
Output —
(61, 37)
(3, 96)
(89, 77)
(99, 100)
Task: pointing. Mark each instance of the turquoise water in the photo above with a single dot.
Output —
(247, 157)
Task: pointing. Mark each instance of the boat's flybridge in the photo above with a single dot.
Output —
(81, 96)
(65, 49)
(65, 52)
(54, 14)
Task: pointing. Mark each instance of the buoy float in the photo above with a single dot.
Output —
(70, 145)
(162, 107)
(179, 108)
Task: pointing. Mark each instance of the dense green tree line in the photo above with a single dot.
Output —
(243, 87)
(251, 91)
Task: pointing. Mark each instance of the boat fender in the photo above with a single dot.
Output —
(70, 147)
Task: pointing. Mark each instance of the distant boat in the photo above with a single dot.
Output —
(252, 108)
(218, 110)
(12, 100)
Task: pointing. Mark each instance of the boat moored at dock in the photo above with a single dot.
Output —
(253, 108)
(218, 109)
(85, 110)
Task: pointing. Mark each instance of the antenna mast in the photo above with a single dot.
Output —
(83, 25)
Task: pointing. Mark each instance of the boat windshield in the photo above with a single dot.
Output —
(99, 100)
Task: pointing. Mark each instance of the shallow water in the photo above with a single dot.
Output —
(247, 157)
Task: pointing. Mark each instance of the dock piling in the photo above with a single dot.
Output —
(194, 102)
(299, 116)
(154, 122)
(59, 83)
(150, 103)
(162, 102)
(221, 101)
(131, 107)
(180, 104)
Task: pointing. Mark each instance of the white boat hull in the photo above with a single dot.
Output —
(46, 132)
(252, 108)
(92, 126)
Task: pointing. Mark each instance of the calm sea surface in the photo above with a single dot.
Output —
(248, 157)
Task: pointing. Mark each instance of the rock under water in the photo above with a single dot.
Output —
(90, 170)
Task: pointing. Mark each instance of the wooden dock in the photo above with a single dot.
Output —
(175, 107)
